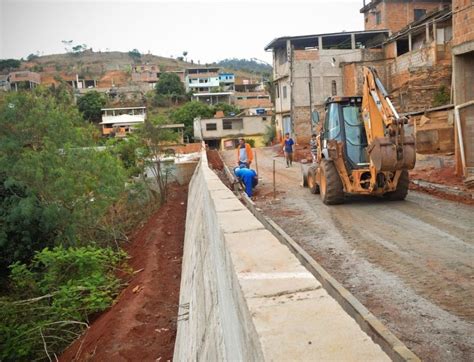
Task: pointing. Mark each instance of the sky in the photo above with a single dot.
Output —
(209, 30)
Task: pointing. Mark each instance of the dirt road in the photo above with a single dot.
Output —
(411, 262)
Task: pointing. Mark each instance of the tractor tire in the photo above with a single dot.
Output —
(402, 188)
(331, 188)
(313, 186)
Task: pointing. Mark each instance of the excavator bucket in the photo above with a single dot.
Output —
(385, 156)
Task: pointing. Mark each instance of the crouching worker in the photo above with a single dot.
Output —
(248, 177)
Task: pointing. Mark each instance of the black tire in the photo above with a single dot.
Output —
(402, 188)
(312, 185)
(331, 188)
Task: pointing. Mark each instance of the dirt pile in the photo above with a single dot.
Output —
(141, 325)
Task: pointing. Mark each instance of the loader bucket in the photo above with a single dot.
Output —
(383, 154)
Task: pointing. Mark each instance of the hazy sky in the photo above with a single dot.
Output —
(208, 30)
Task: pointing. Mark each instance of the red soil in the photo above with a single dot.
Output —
(141, 325)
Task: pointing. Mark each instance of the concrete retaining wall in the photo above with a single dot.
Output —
(245, 296)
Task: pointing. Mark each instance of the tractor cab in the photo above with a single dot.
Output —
(343, 122)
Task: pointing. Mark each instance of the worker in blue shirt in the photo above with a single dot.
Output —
(248, 177)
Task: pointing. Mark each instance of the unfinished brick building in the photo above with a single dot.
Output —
(394, 15)
(463, 73)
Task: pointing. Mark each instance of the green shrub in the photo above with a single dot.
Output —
(270, 134)
(441, 97)
(52, 298)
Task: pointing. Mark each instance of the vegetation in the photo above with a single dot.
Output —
(170, 86)
(9, 64)
(154, 137)
(52, 297)
(90, 104)
(270, 134)
(135, 55)
(65, 206)
(441, 97)
(251, 66)
(191, 110)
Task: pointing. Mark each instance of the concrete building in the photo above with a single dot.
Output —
(307, 69)
(23, 80)
(394, 15)
(4, 83)
(224, 132)
(118, 122)
(463, 74)
(227, 81)
(201, 79)
(212, 98)
(257, 102)
(147, 73)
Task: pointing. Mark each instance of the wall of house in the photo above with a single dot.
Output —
(463, 21)
(252, 125)
(397, 14)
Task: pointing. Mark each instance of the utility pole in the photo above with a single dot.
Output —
(310, 85)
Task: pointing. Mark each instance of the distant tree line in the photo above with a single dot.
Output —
(247, 65)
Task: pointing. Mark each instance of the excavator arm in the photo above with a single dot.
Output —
(389, 149)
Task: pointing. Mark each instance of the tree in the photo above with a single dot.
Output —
(154, 140)
(8, 64)
(188, 112)
(185, 53)
(90, 104)
(169, 84)
(228, 109)
(79, 48)
(32, 57)
(54, 186)
(135, 55)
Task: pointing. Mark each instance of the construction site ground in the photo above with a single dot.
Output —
(411, 262)
(142, 323)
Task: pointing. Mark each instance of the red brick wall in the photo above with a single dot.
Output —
(396, 14)
(463, 21)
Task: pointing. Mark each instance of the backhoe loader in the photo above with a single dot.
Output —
(362, 147)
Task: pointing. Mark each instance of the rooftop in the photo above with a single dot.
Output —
(120, 108)
(367, 38)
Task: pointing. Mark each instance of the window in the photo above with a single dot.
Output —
(277, 90)
(419, 13)
(332, 125)
(284, 92)
(366, 19)
(227, 124)
(211, 127)
(378, 18)
(333, 88)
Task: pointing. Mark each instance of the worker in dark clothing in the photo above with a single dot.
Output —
(248, 177)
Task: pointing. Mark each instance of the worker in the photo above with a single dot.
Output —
(244, 153)
(313, 144)
(288, 149)
(248, 177)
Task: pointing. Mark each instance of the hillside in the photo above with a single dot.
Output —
(97, 63)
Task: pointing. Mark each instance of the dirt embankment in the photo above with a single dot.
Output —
(141, 325)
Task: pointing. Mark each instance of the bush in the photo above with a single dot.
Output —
(90, 104)
(441, 97)
(270, 134)
(55, 295)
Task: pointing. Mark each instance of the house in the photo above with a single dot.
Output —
(307, 70)
(248, 85)
(147, 73)
(4, 83)
(213, 97)
(227, 81)
(224, 132)
(394, 15)
(118, 122)
(463, 74)
(201, 80)
(257, 102)
(23, 80)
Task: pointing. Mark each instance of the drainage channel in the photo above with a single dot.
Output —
(379, 333)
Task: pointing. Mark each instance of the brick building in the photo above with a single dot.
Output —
(308, 69)
(463, 73)
(394, 15)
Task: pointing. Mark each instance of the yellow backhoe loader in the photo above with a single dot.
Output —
(362, 147)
